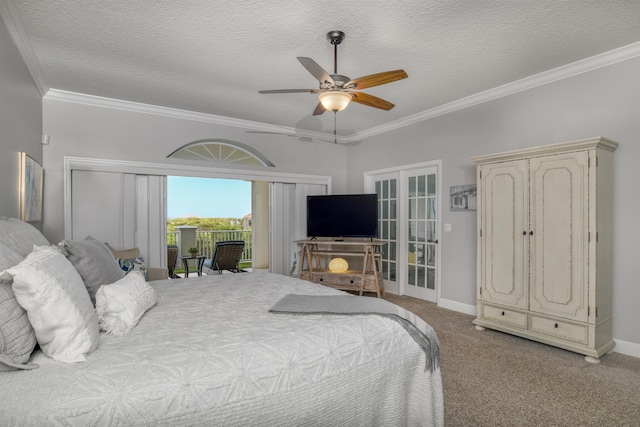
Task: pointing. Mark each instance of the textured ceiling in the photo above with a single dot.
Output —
(214, 56)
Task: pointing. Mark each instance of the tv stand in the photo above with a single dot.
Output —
(368, 279)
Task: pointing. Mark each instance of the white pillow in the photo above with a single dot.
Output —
(50, 289)
(121, 304)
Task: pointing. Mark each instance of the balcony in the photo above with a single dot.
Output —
(206, 241)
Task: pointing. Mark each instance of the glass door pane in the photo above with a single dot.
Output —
(432, 238)
(421, 236)
(408, 221)
(387, 190)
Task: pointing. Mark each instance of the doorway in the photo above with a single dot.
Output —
(214, 209)
(409, 221)
(137, 216)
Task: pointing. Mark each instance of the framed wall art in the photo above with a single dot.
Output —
(463, 197)
(31, 179)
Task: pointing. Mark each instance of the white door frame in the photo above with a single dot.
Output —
(402, 258)
(143, 168)
(161, 169)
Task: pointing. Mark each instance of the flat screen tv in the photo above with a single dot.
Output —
(342, 215)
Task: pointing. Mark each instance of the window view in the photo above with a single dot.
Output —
(204, 211)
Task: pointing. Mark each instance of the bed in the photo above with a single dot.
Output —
(209, 352)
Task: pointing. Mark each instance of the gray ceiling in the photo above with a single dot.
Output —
(214, 56)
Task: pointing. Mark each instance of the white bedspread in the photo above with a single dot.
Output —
(209, 353)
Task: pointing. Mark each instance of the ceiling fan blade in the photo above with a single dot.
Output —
(371, 101)
(316, 71)
(377, 79)
(319, 109)
(289, 91)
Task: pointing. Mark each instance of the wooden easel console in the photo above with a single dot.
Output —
(316, 253)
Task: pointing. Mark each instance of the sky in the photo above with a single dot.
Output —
(207, 197)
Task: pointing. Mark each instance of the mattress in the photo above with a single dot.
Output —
(210, 353)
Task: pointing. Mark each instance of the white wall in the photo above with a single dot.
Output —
(604, 102)
(92, 131)
(20, 122)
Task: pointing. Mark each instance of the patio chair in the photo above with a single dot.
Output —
(226, 256)
(172, 259)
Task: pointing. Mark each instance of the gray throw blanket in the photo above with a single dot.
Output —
(351, 305)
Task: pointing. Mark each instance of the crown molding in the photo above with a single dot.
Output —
(9, 15)
(579, 67)
(130, 106)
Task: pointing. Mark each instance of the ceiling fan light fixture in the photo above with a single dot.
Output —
(336, 91)
(334, 100)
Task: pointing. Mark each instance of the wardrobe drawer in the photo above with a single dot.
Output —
(505, 315)
(559, 329)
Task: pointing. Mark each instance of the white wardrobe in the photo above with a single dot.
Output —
(545, 244)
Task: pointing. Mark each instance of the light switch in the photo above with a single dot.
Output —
(447, 227)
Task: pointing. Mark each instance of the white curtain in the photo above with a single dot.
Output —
(288, 223)
(126, 210)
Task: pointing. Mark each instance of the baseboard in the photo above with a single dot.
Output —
(457, 306)
(626, 347)
(392, 288)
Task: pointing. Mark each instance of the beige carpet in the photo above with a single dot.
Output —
(495, 379)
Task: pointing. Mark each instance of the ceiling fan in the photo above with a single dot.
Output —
(336, 91)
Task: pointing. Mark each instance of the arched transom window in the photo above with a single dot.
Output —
(221, 151)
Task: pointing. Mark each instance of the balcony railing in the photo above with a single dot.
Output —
(206, 241)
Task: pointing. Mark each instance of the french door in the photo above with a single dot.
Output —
(421, 244)
(408, 218)
(386, 187)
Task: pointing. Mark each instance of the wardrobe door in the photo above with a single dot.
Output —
(504, 200)
(559, 244)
